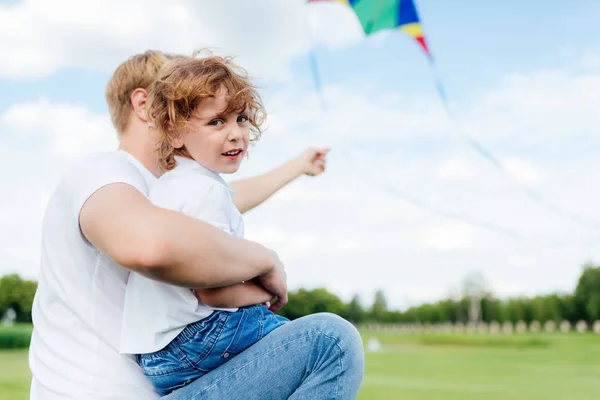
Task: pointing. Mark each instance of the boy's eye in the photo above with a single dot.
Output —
(242, 119)
(216, 122)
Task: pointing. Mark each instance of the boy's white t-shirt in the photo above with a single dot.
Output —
(155, 312)
(78, 307)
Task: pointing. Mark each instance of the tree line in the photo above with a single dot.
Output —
(582, 304)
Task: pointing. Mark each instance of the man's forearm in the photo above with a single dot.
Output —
(251, 192)
(193, 253)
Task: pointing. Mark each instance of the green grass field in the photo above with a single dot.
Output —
(519, 367)
(14, 375)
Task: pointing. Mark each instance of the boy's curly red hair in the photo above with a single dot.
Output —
(182, 85)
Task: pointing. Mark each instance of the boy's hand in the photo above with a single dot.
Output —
(275, 282)
(312, 161)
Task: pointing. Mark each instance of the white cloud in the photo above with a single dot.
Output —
(40, 37)
(39, 141)
(65, 130)
(537, 108)
(523, 171)
(450, 236)
(455, 169)
(522, 261)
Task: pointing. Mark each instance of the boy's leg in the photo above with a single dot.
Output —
(319, 356)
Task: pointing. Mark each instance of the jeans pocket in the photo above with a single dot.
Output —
(167, 361)
(200, 349)
(167, 369)
(245, 332)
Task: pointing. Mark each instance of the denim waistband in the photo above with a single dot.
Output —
(218, 316)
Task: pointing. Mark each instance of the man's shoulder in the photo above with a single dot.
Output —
(115, 159)
(95, 171)
(109, 164)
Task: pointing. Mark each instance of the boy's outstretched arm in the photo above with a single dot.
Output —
(251, 192)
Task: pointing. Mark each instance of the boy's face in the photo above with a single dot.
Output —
(215, 140)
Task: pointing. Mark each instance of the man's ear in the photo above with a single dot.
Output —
(138, 101)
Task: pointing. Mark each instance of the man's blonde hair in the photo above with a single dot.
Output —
(180, 88)
(139, 71)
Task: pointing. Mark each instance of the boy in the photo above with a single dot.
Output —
(204, 113)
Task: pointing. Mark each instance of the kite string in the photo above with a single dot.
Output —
(390, 189)
(489, 156)
(492, 227)
(312, 57)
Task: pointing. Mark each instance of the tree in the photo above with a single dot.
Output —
(305, 302)
(324, 301)
(492, 310)
(379, 307)
(519, 309)
(567, 308)
(546, 308)
(354, 311)
(17, 294)
(298, 305)
(587, 294)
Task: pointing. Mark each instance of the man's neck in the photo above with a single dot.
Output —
(138, 143)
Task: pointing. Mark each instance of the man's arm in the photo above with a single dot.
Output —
(238, 295)
(171, 247)
(251, 192)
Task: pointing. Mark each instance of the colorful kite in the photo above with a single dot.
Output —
(377, 15)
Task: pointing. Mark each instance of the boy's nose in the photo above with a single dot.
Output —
(235, 133)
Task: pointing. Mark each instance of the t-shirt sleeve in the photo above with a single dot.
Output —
(210, 202)
(96, 172)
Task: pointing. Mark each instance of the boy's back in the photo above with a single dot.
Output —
(155, 312)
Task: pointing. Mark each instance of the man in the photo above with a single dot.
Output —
(100, 211)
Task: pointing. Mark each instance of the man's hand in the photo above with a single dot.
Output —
(312, 161)
(275, 282)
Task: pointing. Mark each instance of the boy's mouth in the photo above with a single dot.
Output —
(232, 154)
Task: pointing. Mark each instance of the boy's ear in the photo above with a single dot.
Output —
(139, 98)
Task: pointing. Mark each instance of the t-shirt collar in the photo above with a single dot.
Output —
(185, 164)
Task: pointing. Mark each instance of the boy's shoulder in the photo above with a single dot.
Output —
(189, 186)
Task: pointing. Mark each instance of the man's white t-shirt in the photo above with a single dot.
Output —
(78, 307)
(156, 312)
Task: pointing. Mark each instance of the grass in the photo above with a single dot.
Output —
(15, 377)
(448, 367)
(470, 367)
(15, 337)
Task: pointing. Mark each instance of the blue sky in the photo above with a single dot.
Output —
(474, 43)
(523, 78)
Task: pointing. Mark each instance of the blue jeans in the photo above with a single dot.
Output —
(206, 345)
(319, 356)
